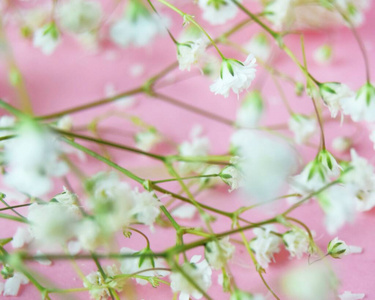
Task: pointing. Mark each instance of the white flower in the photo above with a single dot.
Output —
(210, 181)
(199, 146)
(338, 248)
(234, 75)
(90, 235)
(219, 252)
(265, 162)
(280, 13)
(328, 163)
(46, 38)
(68, 200)
(139, 27)
(361, 178)
(186, 211)
(218, 12)
(323, 55)
(188, 53)
(342, 144)
(199, 272)
(65, 123)
(296, 242)
(260, 46)
(338, 204)
(147, 139)
(146, 208)
(251, 110)
(32, 159)
(353, 9)
(51, 223)
(21, 237)
(362, 106)
(13, 284)
(43, 260)
(232, 177)
(350, 296)
(303, 127)
(132, 265)
(334, 94)
(265, 245)
(79, 16)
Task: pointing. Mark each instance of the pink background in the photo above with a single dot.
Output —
(72, 76)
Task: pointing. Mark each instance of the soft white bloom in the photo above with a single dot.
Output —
(68, 200)
(74, 247)
(65, 123)
(186, 211)
(132, 265)
(6, 121)
(309, 282)
(199, 272)
(265, 245)
(303, 127)
(342, 143)
(297, 242)
(338, 203)
(232, 177)
(147, 139)
(126, 31)
(251, 110)
(51, 223)
(79, 16)
(260, 46)
(334, 94)
(323, 55)
(21, 237)
(188, 53)
(350, 296)
(361, 107)
(219, 252)
(338, 248)
(90, 235)
(218, 12)
(280, 13)
(146, 207)
(361, 178)
(234, 75)
(328, 163)
(32, 159)
(46, 39)
(353, 9)
(44, 260)
(265, 162)
(13, 284)
(199, 146)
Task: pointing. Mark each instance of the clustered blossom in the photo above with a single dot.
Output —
(188, 53)
(235, 76)
(218, 12)
(219, 252)
(296, 242)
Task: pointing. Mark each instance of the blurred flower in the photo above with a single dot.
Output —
(13, 284)
(147, 139)
(334, 94)
(323, 55)
(297, 242)
(338, 248)
(218, 12)
(219, 252)
(188, 53)
(260, 46)
(234, 75)
(251, 110)
(47, 38)
(342, 144)
(22, 237)
(232, 177)
(303, 127)
(146, 207)
(350, 296)
(280, 13)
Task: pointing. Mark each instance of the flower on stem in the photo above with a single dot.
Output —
(232, 177)
(200, 272)
(334, 94)
(260, 46)
(297, 242)
(218, 12)
(47, 38)
(361, 107)
(146, 207)
(251, 110)
(338, 248)
(13, 284)
(265, 245)
(31, 171)
(219, 252)
(280, 13)
(323, 55)
(342, 144)
(79, 16)
(147, 139)
(303, 127)
(22, 237)
(234, 75)
(188, 53)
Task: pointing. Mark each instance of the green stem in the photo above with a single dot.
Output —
(13, 218)
(184, 178)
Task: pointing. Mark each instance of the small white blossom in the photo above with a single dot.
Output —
(79, 16)
(186, 211)
(188, 53)
(342, 144)
(296, 242)
(132, 265)
(260, 46)
(350, 296)
(280, 13)
(146, 208)
(303, 127)
(338, 248)
(147, 139)
(13, 284)
(334, 94)
(46, 39)
(235, 75)
(22, 237)
(199, 272)
(65, 123)
(218, 12)
(232, 177)
(251, 110)
(43, 260)
(323, 55)
(265, 245)
(219, 252)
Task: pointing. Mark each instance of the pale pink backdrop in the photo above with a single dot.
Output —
(72, 76)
